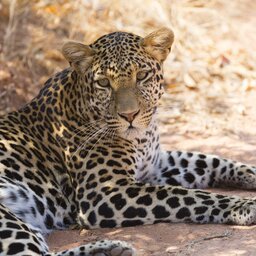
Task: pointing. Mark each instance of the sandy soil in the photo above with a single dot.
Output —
(233, 138)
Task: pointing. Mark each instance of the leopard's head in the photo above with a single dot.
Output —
(121, 78)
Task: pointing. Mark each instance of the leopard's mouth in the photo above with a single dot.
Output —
(136, 128)
(131, 132)
(131, 126)
(133, 129)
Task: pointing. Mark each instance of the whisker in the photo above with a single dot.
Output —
(113, 135)
(104, 133)
(88, 138)
(79, 131)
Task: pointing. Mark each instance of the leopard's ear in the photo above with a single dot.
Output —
(158, 44)
(79, 56)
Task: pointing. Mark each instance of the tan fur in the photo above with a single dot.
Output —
(159, 43)
(127, 101)
(78, 55)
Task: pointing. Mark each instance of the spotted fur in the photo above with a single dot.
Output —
(86, 151)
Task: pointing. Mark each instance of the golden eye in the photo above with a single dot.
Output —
(141, 75)
(104, 82)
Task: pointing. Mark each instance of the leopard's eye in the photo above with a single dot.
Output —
(141, 75)
(104, 82)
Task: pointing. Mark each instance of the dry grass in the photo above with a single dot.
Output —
(213, 58)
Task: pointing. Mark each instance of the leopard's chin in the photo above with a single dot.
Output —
(131, 133)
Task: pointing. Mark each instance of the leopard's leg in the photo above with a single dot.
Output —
(18, 237)
(21, 226)
(131, 204)
(197, 170)
(30, 206)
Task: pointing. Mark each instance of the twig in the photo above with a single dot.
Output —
(185, 250)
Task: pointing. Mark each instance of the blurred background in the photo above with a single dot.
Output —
(210, 75)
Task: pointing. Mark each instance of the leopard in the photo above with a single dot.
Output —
(85, 152)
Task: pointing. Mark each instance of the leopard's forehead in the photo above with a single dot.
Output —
(117, 40)
(119, 52)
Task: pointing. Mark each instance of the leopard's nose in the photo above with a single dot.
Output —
(130, 116)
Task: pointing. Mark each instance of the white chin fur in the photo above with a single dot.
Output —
(131, 134)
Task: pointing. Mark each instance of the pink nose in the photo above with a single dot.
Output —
(129, 117)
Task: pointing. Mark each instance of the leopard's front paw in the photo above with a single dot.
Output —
(244, 213)
(245, 178)
(112, 248)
